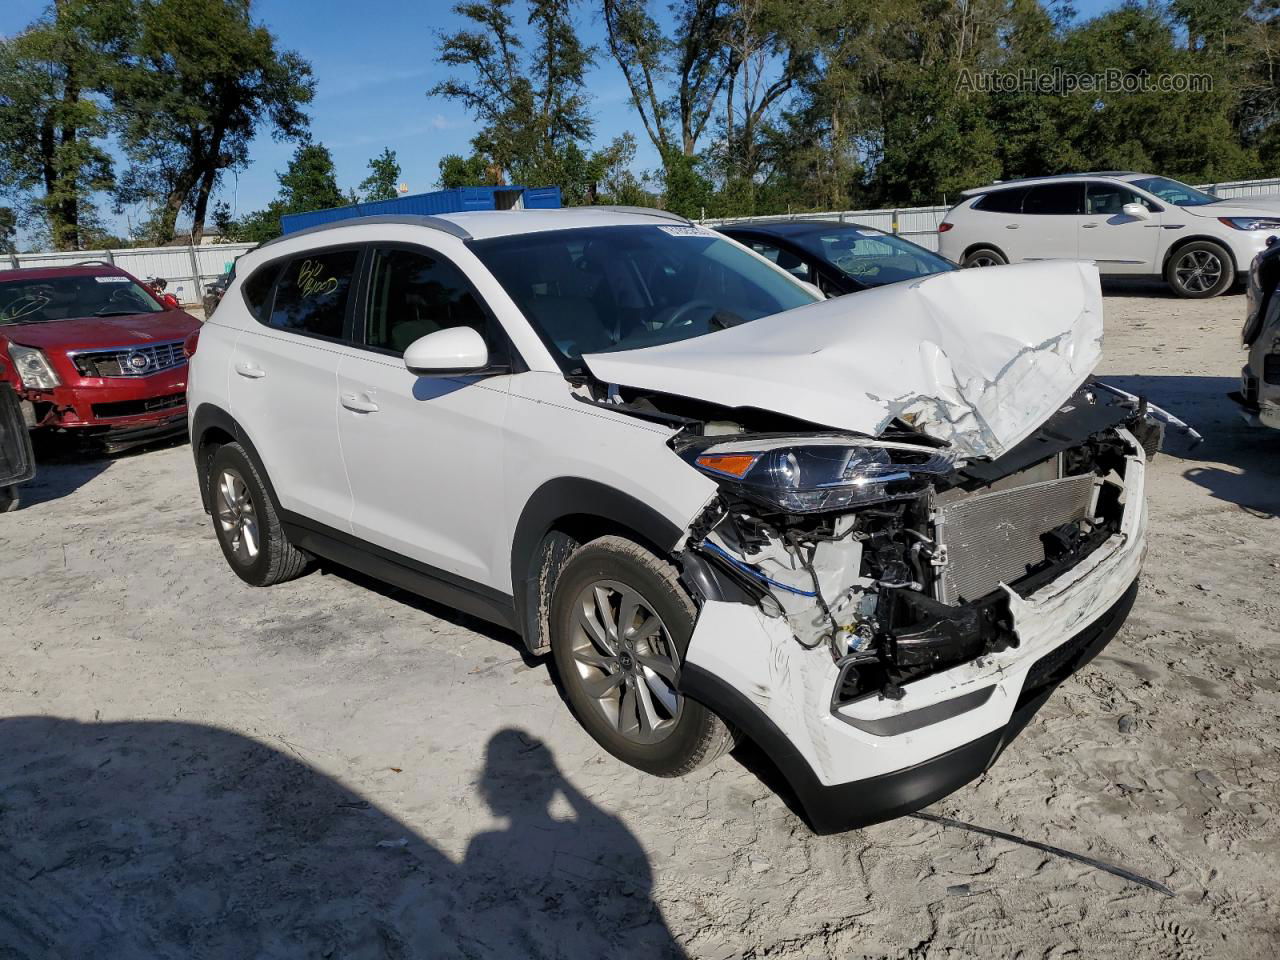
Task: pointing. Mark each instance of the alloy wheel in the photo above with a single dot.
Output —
(1198, 271)
(626, 661)
(236, 517)
(984, 260)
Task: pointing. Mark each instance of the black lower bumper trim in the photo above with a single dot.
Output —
(830, 809)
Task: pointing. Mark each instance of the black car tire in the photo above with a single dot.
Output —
(275, 559)
(8, 498)
(984, 257)
(1184, 284)
(697, 736)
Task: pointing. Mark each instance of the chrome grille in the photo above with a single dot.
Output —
(140, 361)
(994, 537)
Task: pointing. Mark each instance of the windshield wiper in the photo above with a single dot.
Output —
(724, 319)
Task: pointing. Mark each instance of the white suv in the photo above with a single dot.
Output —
(1130, 224)
(871, 534)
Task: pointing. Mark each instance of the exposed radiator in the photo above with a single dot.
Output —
(994, 537)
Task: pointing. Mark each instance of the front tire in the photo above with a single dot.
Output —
(1200, 270)
(246, 523)
(984, 257)
(620, 628)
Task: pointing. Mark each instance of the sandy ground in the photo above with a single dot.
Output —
(190, 767)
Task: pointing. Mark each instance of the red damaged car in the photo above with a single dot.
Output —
(90, 350)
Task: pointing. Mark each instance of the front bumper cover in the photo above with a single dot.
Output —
(875, 759)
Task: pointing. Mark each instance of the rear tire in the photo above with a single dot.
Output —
(620, 628)
(984, 257)
(8, 499)
(1200, 270)
(246, 523)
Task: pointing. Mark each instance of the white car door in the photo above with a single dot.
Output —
(1049, 225)
(1119, 243)
(284, 377)
(424, 454)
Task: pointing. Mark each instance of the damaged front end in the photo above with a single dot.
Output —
(894, 555)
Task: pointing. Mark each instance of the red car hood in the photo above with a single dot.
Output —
(102, 331)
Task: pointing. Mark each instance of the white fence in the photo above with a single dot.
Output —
(920, 224)
(188, 269)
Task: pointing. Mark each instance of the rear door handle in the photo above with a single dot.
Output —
(1011, 226)
(247, 368)
(1088, 226)
(359, 404)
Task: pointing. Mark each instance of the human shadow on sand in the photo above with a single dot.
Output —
(132, 840)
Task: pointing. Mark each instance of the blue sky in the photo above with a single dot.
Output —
(374, 61)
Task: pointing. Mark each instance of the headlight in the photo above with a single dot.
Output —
(33, 367)
(803, 475)
(1251, 223)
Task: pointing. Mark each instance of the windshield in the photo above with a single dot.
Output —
(619, 288)
(870, 257)
(65, 298)
(1171, 191)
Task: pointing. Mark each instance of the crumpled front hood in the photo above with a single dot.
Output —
(978, 358)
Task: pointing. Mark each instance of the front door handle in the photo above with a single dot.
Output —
(359, 404)
(1011, 226)
(1088, 226)
(247, 368)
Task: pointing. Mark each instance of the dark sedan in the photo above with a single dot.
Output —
(838, 258)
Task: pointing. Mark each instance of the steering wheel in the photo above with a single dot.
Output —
(673, 316)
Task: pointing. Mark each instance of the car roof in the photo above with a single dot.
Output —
(792, 227)
(90, 268)
(487, 224)
(1052, 178)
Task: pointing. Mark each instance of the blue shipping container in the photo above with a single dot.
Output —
(454, 200)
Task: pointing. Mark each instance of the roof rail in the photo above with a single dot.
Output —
(642, 211)
(405, 219)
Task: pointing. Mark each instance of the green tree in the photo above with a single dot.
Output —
(308, 183)
(52, 115)
(202, 79)
(473, 171)
(532, 105)
(383, 180)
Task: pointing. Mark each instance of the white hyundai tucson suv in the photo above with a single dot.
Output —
(1130, 224)
(871, 534)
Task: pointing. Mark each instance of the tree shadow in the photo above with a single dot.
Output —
(138, 839)
(64, 464)
(1236, 463)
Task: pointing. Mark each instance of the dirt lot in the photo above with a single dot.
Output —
(192, 767)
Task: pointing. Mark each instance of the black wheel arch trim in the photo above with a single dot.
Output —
(561, 498)
(983, 245)
(208, 417)
(1198, 238)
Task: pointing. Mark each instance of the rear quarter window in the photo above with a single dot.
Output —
(1001, 201)
(257, 289)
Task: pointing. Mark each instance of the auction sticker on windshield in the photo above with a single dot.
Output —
(113, 279)
(686, 231)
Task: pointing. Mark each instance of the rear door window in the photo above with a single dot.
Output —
(313, 291)
(1059, 199)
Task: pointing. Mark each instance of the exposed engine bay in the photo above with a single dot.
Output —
(894, 555)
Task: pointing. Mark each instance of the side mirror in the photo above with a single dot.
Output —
(170, 301)
(1136, 210)
(455, 350)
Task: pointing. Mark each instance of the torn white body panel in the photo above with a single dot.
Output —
(978, 358)
(793, 686)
